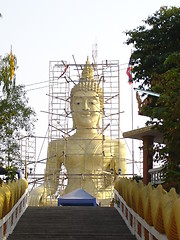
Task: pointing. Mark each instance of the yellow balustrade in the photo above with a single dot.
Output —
(170, 224)
(2, 202)
(6, 205)
(176, 211)
(157, 207)
(145, 193)
(10, 193)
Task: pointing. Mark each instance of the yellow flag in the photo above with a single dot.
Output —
(12, 66)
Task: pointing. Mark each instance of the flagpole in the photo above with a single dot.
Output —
(129, 73)
(132, 119)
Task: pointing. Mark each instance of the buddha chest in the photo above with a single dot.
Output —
(86, 156)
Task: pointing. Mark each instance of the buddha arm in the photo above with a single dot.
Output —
(121, 161)
(51, 180)
(53, 166)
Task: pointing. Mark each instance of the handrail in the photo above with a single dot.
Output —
(156, 207)
(137, 225)
(8, 223)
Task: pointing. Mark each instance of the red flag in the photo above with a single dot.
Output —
(129, 72)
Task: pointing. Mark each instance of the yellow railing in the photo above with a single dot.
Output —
(157, 207)
(13, 203)
(10, 193)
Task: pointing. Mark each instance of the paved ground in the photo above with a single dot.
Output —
(71, 223)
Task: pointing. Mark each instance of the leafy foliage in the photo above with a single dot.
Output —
(15, 115)
(154, 42)
(11, 173)
(156, 66)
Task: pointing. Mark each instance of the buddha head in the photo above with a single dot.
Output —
(87, 100)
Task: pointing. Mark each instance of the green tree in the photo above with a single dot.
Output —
(15, 114)
(156, 66)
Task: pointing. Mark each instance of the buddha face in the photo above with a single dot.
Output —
(85, 109)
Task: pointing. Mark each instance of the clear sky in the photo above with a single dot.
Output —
(44, 30)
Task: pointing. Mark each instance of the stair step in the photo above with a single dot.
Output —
(71, 223)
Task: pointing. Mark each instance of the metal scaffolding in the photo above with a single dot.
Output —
(62, 78)
(28, 157)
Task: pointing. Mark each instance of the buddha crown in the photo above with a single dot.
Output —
(87, 73)
(87, 82)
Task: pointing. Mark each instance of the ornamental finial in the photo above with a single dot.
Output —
(87, 73)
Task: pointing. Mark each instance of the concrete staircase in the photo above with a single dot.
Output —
(71, 223)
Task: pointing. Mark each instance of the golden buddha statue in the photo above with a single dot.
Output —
(88, 156)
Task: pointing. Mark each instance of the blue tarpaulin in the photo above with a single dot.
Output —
(78, 197)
